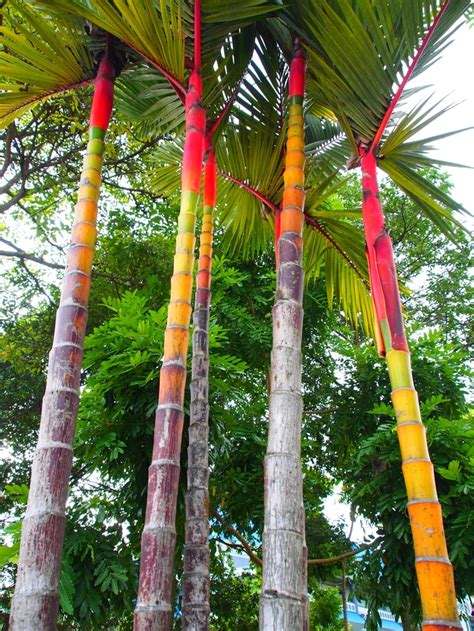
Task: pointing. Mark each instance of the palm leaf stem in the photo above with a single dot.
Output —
(314, 223)
(251, 190)
(407, 76)
(175, 83)
(226, 108)
(47, 95)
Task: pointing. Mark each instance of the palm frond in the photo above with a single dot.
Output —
(144, 97)
(346, 285)
(431, 200)
(262, 97)
(327, 147)
(39, 58)
(165, 166)
(359, 52)
(153, 29)
(224, 71)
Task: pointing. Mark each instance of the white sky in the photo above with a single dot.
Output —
(451, 76)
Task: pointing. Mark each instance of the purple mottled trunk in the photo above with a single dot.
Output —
(36, 599)
(283, 603)
(196, 581)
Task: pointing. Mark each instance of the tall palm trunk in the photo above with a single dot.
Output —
(36, 598)
(433, 568)
(154, 606)
(196, 582)
(283, 601)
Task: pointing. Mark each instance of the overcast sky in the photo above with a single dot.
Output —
(452, 77)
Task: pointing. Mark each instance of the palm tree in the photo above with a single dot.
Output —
(161, 43)
(358, 56)
(35, 603)
(153, 610)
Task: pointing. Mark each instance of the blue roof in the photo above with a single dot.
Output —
(386, 624)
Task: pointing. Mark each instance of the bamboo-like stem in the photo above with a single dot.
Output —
(153, 611)
(283, 602)
(433, 568)
(196, 581)
(36, 599)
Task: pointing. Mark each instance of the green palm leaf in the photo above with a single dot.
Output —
(346, 285)
(143, 96)
(152, 28)
(39, 58)
(358, 52)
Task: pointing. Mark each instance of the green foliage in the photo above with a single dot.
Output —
(324, 610)
(234, 597)
(39, 58)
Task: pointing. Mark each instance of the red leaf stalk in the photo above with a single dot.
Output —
(36, 599)
(406, 78)
(196, 581)
(154, 606)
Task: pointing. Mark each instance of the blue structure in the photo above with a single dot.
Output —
(356, 614)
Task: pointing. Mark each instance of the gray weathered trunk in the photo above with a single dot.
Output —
(196, 581)
(283, 603)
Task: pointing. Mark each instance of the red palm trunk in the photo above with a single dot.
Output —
(36, 598)
(433, 568)
(154, 607)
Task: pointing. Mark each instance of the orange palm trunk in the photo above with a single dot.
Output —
(36, 599)
(154, 607)
(433, 568)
